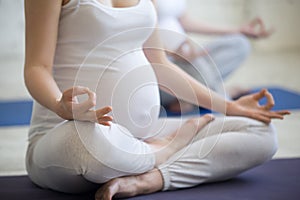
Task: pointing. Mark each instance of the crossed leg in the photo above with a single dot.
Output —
(75, 154)
(222, 150)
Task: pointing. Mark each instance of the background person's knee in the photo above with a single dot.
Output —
(243, 45)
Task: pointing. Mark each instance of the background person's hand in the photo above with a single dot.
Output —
(188, 51)
(69, 108)
(256, 29)
(248, 106)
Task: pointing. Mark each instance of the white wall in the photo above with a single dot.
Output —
(12, 44)
(12, 28)
(284, 15)
(218, 11)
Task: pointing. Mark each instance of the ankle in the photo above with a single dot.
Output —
(150, 182)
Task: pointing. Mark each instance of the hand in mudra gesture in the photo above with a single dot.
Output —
(248, 106)
(256, 29)
(69, 108)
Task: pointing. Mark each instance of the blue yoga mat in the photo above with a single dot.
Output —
(16, 113)
(284, 100)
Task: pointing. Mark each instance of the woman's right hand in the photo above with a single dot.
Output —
(68, 107)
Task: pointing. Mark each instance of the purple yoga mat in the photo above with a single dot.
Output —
(275, 180)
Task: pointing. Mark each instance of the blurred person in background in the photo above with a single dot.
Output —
(211, 63)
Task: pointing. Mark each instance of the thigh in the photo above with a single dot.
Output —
(91, 151)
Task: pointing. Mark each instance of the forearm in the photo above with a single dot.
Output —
(194, 26)
(42, 86)
(175, 81)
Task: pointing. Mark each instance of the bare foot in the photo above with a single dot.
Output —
(130, 186)
(180, 107)
(165, 147)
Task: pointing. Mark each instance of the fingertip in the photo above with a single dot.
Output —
(91, 94)
(86, 89)
(264, 90)
(109, 108)
(106, 124)
(108, 118)
(94, 103)
(259, 94)
(209, 117)
(81, 88)
(212, 117)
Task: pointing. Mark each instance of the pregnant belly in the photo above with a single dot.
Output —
(135, 101)
(129, 86)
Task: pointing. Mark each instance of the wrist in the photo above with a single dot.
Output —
(57, 106)
(240, 30)
(229, 105)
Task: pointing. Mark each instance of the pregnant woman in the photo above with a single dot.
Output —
(94, 69)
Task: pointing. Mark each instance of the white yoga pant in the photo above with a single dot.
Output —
(226, 147)
(220, 151)
(226, 54)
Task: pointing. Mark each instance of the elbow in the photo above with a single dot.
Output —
(155, 55)
(26, 74)
(33, 72)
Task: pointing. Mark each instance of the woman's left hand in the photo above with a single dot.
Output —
(248, 106)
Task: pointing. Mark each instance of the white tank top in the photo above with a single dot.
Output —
(169, 12)
(100, 47)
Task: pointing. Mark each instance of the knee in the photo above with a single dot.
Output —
(88, 148)
(73, 143)
(60, 147)
(262, 137)
(267, 138)
(243, 45)
(271, 142)
(113, 148)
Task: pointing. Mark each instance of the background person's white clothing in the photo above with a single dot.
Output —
(168, 12)
(225, 54)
